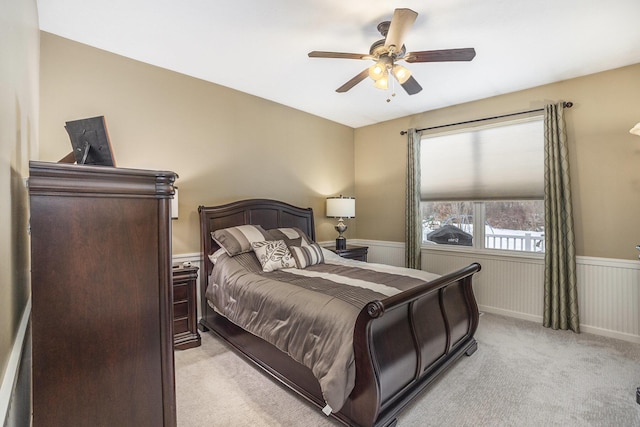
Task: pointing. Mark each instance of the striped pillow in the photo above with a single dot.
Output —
(292, 236)
(237, 240)
(307, 255)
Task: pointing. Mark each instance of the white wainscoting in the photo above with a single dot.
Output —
(10, 376)
(193, 259)
(608, 289)
(609, 297)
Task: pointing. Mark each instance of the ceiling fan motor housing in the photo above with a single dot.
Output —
(378, 49)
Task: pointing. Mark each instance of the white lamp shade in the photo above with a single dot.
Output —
(341, 207)
(635, 130)
(174, 204)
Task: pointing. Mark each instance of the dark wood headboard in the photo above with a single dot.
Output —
(267, 213)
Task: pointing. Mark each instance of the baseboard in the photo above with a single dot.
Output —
(610, 333)
(11, 374)
(510, 313)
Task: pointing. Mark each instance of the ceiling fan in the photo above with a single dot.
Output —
(388, 51)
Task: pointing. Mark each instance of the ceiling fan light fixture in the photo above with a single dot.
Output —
(400, 73)
(377, 70)
(382, 82)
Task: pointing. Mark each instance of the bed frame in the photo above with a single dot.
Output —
(401, 343)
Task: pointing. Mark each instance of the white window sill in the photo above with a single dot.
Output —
(487, 252)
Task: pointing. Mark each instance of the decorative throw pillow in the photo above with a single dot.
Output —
(307, 255)
(292, 236)
(273, 255)
(237, 240)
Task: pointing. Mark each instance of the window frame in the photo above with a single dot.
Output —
(479, 206)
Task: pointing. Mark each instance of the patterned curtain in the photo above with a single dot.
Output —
(560, 288)
(413, 229)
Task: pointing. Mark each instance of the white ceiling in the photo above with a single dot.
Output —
(260, 47)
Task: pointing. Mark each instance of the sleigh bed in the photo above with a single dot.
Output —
(398, 342)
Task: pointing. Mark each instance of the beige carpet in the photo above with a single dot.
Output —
(521, 375)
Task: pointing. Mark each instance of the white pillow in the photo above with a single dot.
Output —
(273, 255)
(214, 256)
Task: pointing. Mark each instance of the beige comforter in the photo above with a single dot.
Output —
(309, 314)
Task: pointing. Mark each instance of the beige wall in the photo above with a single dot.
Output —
(19, 53)
(605, 159)
(204, 132)
(224, 145)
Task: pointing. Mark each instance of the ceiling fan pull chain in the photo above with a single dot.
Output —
(393, 87)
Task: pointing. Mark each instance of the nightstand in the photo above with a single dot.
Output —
(358, 253)
(185, 330)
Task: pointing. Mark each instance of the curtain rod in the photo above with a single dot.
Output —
(567, 104)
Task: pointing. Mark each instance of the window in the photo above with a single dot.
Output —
(484, 187)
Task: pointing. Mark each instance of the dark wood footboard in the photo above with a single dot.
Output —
(402, 343)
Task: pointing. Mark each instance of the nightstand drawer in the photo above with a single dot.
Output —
(180, 292)
(180, 326)
(180, 309)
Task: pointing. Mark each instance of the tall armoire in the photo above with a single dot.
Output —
(101, 296)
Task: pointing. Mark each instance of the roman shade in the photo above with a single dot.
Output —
(503, 161)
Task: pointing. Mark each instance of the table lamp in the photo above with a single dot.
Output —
(341, 208)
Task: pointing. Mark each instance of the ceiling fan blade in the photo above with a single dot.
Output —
(444, 55)
(401, 22)
(411, 86)
(354, 81)
(339, 55)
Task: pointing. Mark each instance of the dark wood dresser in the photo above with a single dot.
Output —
(101, 296)
(185, 322)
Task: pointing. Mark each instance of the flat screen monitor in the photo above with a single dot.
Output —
(90, 141)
